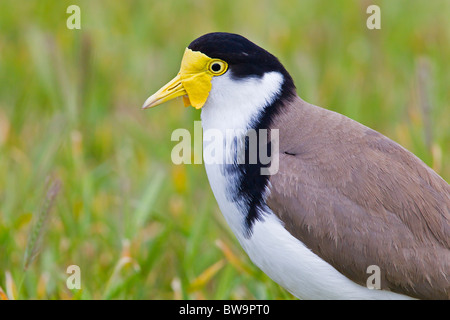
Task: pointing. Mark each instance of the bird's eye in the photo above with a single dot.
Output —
(217, 67)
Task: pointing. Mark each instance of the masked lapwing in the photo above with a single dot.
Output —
(337, 200)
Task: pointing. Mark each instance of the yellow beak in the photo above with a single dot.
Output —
(170, 91)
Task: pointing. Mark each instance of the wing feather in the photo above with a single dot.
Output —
(356, 199)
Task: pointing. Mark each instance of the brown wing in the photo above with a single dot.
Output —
(356, 199)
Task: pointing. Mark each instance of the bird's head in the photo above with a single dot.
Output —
(225, 55)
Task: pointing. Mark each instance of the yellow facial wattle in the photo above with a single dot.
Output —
(193, 82)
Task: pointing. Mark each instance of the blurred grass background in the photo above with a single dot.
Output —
(86, 176)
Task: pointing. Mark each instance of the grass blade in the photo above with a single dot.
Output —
(38, 230)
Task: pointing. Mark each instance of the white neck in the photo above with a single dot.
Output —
(234, 105)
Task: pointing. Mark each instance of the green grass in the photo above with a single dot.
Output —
(138, 226)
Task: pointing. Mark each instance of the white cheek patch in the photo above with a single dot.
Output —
(236, 103)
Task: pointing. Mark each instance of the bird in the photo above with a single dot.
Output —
(337, 197)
